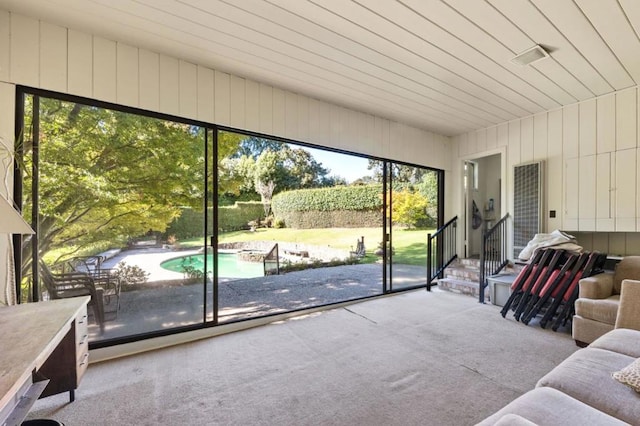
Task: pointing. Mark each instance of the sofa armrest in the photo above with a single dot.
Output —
(629, 309)
(596, 287)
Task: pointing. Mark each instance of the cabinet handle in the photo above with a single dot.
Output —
(82, 340)
(84, 360)
(81, 319)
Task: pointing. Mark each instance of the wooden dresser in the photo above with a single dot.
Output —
(39, 342)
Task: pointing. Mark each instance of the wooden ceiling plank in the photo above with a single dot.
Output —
(615, 29)
(475, 46)
(562, 26)
(296, 44)
(482, 27)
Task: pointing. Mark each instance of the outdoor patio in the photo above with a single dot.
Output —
(166, 302)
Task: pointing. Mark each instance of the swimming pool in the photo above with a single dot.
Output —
(228, 265)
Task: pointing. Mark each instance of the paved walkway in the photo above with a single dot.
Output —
(165, 306)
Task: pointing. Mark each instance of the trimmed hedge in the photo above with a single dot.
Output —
(365, 197)
(237, 217)
(230, 218)
(336, 207)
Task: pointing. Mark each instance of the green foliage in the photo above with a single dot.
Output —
(344, 206)
(130, 275)
(189, 223)
(366, 197)
(109, 175)
(409, 208)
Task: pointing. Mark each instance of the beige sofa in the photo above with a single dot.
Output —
(599, 299)
(581, 390)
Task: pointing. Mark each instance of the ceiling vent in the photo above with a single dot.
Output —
(530, 56)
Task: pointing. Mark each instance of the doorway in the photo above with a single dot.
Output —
(482, 189)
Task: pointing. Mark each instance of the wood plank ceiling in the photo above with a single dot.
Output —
(441, 65)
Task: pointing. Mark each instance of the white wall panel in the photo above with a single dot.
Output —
(291, 115)
(540, 135)
(526, 140)
(205, 94)
(587, 193)
(80, 64)
(24, 51)
(266, 109)
(149, 80)
(222, 98)
(571, 194)
(472, 143)
(278, 106)
(625, 190)
(53, 57)
(492, 137)
(626, 119)
(303, 117)
(127, 75)
(7, 119)
(5, 44)
(237, 95)
(554, 175)
(606, 124)
(188, 89)
(571, 131)
(605, 193)
(481, 140)
(503, 134)
(169, 85)
(514, 144)
(587, 133)
(104, 70)
(252, 105)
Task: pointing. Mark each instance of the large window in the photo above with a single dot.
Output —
(176, 225)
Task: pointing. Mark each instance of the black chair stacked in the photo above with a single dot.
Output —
(548, 286)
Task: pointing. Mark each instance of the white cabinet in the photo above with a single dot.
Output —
(605, 192)
(587, 194)
(571, 201)
(625, 190)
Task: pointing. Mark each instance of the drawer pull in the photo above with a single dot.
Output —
(84, 359)
(82, 319)
(83, 339)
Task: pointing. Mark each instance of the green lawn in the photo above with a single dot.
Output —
(410, 246)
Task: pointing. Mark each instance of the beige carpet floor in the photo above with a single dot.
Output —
(416, 358)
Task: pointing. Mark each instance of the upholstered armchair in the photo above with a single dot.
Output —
(599, 300)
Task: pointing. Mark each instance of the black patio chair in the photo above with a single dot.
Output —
(65, 285)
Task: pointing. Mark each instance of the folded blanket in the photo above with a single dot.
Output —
(556, 239)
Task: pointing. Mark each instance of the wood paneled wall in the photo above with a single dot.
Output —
(43, 55)
(590, 150)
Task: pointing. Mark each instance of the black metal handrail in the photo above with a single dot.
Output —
(273, 257)
(444, 240)
(493, 255)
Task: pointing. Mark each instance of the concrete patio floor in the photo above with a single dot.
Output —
(158, 305)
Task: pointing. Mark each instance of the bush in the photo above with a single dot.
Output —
(341, 207)
(230, 218)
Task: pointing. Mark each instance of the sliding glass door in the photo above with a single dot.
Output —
(172, 225)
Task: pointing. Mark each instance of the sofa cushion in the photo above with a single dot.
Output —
(621, 340)
(601, 310)
(630, 375)
(586, 376)
(547, 406)
(627, 268)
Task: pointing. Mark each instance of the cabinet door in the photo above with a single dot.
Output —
(605, 196)
(572, 185)
(587, 194)
(625, 191)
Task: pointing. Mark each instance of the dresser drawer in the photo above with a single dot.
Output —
(83, 363)
(82, 325)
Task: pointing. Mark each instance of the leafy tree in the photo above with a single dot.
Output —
(107, 175)
(409, 208)
(400, 173)
(290, 168)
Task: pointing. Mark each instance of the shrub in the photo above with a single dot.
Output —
(342, 206)
(130, 275)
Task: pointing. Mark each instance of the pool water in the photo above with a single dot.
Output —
(228, 265)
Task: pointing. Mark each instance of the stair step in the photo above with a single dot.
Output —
(474, 263)
(462, 273)
(460, 286)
